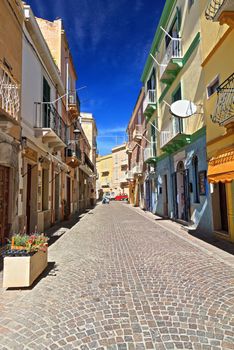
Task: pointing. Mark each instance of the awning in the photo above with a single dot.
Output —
(221, 168)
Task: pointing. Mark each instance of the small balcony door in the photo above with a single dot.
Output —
(177, 122)
(46, 107)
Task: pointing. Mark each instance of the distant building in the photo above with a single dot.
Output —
(104, 176)
(112, 172)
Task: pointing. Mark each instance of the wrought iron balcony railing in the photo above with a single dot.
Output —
(9, 94)
(73, 151)
(213, 8)
(225, 102)
(47, 117)
(73, 102)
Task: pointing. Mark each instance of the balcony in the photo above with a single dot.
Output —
(73, 156)
(130, 147)
(221, 11)
(224, 113)
(50, 126)
(149, 104)
(172, 61)
(73, 104)
(173, 137)
(150, 155)
(9, 101)
(137, 169)
(137, 133)
(129, 176)
(123, 178)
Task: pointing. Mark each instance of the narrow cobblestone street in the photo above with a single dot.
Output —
(119, 281)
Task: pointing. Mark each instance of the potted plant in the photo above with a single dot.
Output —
(24, 260)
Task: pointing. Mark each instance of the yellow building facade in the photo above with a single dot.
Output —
(105, 174)
(218, 69)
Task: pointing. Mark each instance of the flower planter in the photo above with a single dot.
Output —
(22, 271)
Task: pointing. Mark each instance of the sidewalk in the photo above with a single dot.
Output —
(220, 249)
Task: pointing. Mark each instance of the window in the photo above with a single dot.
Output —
(153, 138)
(46, 108)
(212, 87)
(196, 198)
(105, 173)
(151, 83)
(177, 122)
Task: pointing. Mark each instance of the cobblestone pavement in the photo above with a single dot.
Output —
(122, 282)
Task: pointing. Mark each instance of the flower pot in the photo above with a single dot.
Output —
(22, 271)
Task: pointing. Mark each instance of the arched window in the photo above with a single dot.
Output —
(196, 197)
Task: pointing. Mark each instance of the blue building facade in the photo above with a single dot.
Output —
(182, 187)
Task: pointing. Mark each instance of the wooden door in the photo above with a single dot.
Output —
(186, 196)
(223, 207)
(165, 196)
(4, 202)
(174, 194)
(68, 196)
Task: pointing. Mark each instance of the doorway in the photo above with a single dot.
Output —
(165, 196)
(223, 207)
(57, 190)
(68, 209)
(29, 192)
(181, 194)
(4, 200)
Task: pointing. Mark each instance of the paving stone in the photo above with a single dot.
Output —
(121, 282)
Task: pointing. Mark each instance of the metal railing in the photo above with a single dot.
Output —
(213, 8)
(9, 94)
(73, 151)
(173, 50)
(137, 169)
(73, 99)
(149, 152)
(225, 102)
(149, 99)
(137, 132)
(129, 175)
(173, 129)
(47, 117)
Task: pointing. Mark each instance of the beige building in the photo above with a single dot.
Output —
(11, 23)
(90, 129)
(104, 176)
(120, 170)
(112, 171)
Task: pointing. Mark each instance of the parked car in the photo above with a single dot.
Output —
(121, 197)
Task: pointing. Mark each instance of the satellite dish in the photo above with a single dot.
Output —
(183, 108)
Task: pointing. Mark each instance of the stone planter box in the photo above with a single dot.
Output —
(21, 271)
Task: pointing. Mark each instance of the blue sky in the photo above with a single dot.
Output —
(110, 41)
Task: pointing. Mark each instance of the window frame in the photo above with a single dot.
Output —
(211, 84)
